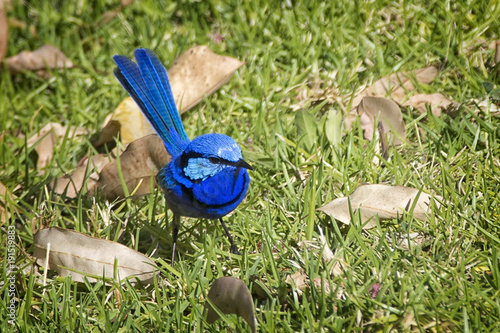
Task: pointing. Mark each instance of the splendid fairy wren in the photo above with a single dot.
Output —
(205, 178)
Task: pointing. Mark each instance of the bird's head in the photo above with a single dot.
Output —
(209, 154)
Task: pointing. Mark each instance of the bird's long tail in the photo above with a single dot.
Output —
(148, 84)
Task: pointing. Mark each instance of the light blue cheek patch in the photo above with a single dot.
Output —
(201, 168)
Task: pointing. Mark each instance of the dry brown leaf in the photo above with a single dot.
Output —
(298, 279)
(6, 199)
(142, 159)
(396, 85)
(437, 102)
(45, 57)
(79, 255)
(384, 201)
(231, 296)
(198, 72)
(72, 184)
(109, 15)
(48, 137)
(372, 109)
(4, 32)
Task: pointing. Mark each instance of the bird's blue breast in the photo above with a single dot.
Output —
(211, 198)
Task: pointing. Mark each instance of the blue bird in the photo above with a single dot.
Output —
(205, 178)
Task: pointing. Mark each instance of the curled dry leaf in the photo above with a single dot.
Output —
(437, 102)
(48, 137)
(141, 160)
(198, 72)
(396, 85)
(372, 109)
(384, 201)
(231, 296)
(72, 184)
(45, 57)
(79, 255)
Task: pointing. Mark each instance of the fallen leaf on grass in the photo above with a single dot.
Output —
(72, 184)
(78, 255)
(437, 102)
(4, 32)
(372, 109)
(45, 57)
(197, 73)
(396, 85)
(111, 14)
(298, 279)
(48, 137)
(384, 201)
(142, 159)
(231, 296)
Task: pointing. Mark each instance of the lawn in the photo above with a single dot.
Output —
(303, 64)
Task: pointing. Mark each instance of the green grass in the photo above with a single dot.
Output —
(450, 283)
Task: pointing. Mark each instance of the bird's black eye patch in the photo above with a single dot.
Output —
(214, 160)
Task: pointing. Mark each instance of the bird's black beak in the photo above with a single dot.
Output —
(243, 164)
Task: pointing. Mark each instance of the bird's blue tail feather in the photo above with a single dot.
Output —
(148, 84)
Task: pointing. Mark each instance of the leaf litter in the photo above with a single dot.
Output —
(230, 296)
(381, 201)
(80, 256)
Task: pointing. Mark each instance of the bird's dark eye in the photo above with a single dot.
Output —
(214, 160)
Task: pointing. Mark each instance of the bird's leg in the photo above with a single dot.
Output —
(175, 232)
(234, 248)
